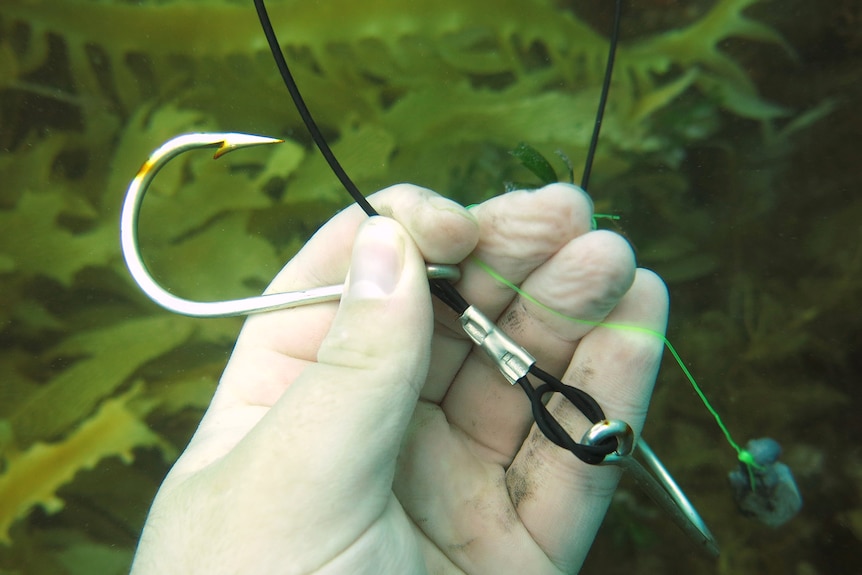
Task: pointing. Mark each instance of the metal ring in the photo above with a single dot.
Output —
(612, 428)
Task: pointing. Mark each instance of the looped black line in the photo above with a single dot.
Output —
(592, 454)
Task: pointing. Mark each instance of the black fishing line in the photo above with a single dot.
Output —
(305, 114)
(440, 288)
(443, 289)
(603, 99)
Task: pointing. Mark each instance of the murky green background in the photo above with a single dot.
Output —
(730, 152)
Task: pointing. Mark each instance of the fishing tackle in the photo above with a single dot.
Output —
(225, 143)
(608, 442)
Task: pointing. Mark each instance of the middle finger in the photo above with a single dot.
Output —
(518, 232)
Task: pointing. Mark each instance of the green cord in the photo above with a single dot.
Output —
(743, 455)
(597, 217)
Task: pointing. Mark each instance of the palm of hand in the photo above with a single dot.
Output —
(313, 458)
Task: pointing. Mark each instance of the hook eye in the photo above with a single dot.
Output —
(612, 429)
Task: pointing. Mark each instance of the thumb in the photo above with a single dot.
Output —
(314, 472)
(384, 322)
(339, 425)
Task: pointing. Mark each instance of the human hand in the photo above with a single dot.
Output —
(364, 437)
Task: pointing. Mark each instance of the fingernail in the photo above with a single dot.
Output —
(378, 258)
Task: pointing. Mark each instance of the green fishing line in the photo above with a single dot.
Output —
(597, 217)
(743, 455)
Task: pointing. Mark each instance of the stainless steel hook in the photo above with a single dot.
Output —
(224, 142)
(652, 477)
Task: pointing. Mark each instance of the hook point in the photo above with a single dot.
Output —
(234, 140)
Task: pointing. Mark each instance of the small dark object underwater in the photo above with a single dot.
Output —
(766, 490)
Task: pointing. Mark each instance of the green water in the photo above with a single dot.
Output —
(732, 164)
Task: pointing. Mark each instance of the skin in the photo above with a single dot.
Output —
(370, 436)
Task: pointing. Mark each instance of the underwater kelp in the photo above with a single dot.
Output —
(435, 92)
(453, 74)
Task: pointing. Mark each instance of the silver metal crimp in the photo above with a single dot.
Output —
(511, 359)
